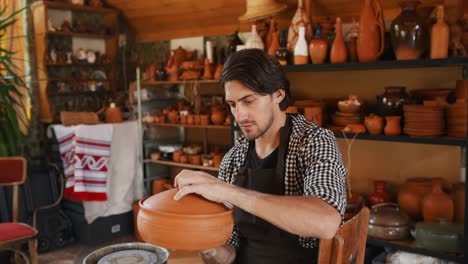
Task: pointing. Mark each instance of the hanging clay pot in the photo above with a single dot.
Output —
(370, 42)
(318, 47)
(437, 204)
(300, 19)
(338, 53)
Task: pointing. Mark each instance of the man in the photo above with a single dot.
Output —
(285, 177)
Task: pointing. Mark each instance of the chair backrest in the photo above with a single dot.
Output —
(13, 172)
(349, 243)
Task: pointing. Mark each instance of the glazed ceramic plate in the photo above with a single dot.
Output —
(133, 256)
(98, 75)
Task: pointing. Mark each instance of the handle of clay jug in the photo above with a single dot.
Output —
(380, 24)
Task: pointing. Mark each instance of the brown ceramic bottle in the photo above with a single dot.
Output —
(318, 47)
(370, 42)
(437, 204)
(338, 52)
(439, 36)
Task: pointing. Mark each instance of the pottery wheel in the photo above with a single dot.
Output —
(133, 256)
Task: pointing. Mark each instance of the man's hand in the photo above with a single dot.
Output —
(202, 183)
(220, 255)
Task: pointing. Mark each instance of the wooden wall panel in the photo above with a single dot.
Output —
(169, 19)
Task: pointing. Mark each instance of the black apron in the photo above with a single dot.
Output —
(260, 241)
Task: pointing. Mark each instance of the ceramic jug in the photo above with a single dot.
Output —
(370, 42)
(318, 47)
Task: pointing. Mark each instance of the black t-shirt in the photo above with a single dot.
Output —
(269, 162)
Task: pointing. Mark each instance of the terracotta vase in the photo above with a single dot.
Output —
(439, 36)
(207, 74)
(301, 51)
(318, 47)
(269, 36)
(411, 195)
(300, 19)
(217, 117)
(204, 120)
(409, 32)
(374, 124)
(113, 114)
(274, 44)
(338, 53)
(370, 42)
(459, 202)
(379, 195)
(437, 204)
(314, 114)
(191, 223)
(393, 126)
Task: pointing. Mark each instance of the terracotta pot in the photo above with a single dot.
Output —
(192, 223)
(370, 42)
(159, 185)
(204, 120)
(459, 202)
(195, 159)
(314, 114)
(176, 155)
(190, 119)
(393, 126)
(338, 53)
(173, 117)
(291, 109)
(392, 100)
(184, 159)
(183, 119)
(379, 195)
(374, 124)
(196, 119)
(437, 204)
(411, 194)
(113, 114)
(217, 117)
(217, 158)
(318, 47)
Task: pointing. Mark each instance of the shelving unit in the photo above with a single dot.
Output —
(462, 63)
(70, 41)
(190, 126)
(182, 165)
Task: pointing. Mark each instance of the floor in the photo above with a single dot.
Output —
(75, 253)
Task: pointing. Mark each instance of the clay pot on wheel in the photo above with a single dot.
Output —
(192, 223)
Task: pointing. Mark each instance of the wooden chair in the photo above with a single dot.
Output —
(349, 243)
(13, 234)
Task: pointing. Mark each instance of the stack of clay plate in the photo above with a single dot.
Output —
(341, 120)
(457, 116)
(424, 121)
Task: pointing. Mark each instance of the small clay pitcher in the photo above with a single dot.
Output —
(374, 124)
(338, 53)
(393, 126)
(437, 204)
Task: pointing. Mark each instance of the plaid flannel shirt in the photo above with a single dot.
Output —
(314, 167)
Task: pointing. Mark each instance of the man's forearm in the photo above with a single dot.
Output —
(301, 215)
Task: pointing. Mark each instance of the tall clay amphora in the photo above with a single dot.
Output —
(370, 42)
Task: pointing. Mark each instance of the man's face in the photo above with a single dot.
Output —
(254, 113)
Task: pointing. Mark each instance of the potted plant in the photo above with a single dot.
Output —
(11, 136)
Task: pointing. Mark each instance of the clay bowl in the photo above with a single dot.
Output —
(192, 223)
(161, 253)
(348, 107)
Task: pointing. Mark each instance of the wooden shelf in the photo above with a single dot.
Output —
(410, 246)
(408, 139)
(182, 165)
(84, 8)
(79, 35)
(78, 64)
(78, 93)
(393, 64)
(189, 126)
(71, 79)
(161, 83)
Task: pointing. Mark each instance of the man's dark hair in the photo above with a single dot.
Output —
(258, 71)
